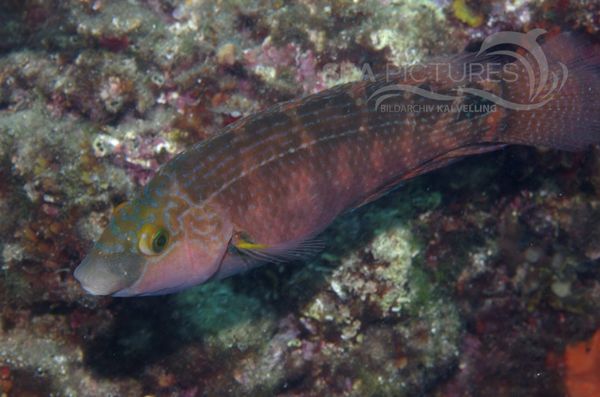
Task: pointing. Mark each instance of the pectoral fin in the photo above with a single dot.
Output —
(243, 246)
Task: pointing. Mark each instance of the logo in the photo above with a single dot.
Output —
(528, 68)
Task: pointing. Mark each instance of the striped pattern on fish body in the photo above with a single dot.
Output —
(272, 181)
(283, 172)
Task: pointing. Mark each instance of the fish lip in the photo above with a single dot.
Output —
(91, 290)
(101, 274)
(87, 287)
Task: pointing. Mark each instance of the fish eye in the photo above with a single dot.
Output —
(159, 242)
(152, 239)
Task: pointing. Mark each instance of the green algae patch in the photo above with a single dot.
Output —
(222, 317)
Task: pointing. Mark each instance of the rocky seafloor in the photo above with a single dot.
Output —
(480, 279)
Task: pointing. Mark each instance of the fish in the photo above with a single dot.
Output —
(265, 187)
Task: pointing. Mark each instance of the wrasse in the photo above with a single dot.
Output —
(263, 189)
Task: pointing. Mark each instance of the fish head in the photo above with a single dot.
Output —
(155, 244)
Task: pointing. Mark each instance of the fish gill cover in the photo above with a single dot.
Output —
(480, 278)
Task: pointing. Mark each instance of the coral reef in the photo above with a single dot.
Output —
(478, 279)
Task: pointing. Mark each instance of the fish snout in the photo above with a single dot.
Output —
(101, 274)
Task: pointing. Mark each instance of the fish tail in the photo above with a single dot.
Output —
(565, 112)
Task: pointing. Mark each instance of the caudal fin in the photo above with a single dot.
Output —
(562, 88)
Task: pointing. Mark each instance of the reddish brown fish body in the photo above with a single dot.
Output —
(286, 173)
(278, 178)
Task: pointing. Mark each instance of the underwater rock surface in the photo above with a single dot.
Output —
(479, 279)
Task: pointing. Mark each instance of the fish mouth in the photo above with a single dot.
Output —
(101, 274)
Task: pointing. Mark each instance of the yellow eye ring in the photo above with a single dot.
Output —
(152, 239)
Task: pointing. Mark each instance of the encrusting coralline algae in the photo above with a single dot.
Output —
(95, 95)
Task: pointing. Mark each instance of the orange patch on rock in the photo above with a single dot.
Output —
(582, 362)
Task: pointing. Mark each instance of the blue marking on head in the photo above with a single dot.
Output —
(109, 249)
